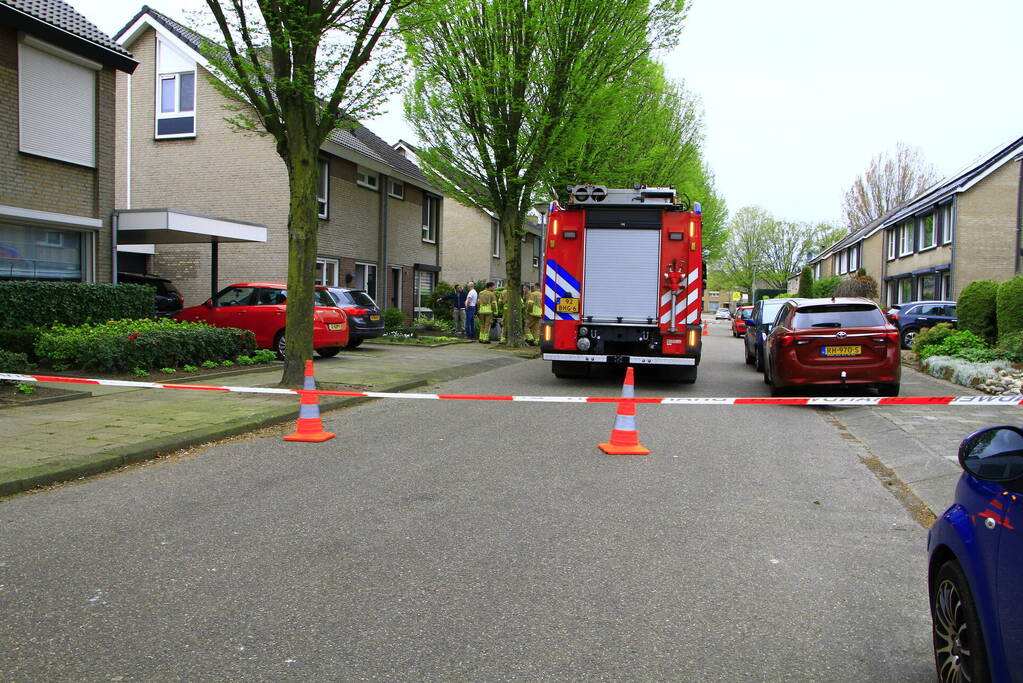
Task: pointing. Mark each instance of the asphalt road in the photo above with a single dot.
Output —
(450, 540)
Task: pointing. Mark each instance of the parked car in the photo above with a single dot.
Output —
(762, 317)
(842, 341)
(975, 552)
(742, 314)
(913, 316)
(364, 318)
(168, 299)
(722, 314)
(261, 307)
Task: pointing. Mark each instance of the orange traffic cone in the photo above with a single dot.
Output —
(624, 437)
(310, 426)
(706, 328)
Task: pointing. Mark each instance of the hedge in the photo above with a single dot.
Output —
(976, 309)
(124, 345)
(826, 286)
(1009, 306)
(861, 285)
(20, 341)
(34, 303)
(805, 283)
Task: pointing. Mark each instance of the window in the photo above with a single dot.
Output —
(236, 296)
(893, 241)
(396, 189)
(431, 218)
(175, 93)
(495, 239)
(56, 103)
(367, 178)
(713, 295)
(946, 223)
(905, 289)
(927, 286)
(326, 271)
(395, 287)
(837, 315)
(536, 251)
(425, 281)
(928, 238)
(817, 271)
(946, 288)
(366, 278)
(907, 232)
(34, 253)
(323, 188)
(892, 293)
(854, 258)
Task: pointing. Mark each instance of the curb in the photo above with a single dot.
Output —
(43, 474)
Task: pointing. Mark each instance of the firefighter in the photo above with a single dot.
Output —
(503, 299)
(534, 311)
(486, 308)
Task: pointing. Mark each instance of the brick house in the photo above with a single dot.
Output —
(860, 248)
(380, 219)
(473, 248)
(57, 99)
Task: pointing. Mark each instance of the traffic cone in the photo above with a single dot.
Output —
(310, 426)
(706, 328)
(624, 437)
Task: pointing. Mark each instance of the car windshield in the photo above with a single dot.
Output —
(770, 311)
(746, 314)
(838, 315)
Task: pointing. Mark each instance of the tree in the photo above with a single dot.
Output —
(502, 84)
(890, 181)
(805, 283)
(298, 69)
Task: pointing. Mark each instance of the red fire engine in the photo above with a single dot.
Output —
(623, 282)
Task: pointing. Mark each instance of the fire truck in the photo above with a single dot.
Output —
(624, 282)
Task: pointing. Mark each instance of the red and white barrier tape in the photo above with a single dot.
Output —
(675, 400)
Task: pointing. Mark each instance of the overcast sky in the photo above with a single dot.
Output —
(800, 94)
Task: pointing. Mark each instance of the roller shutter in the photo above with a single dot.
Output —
(621, 275)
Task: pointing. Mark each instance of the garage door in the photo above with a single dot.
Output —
(621, 275)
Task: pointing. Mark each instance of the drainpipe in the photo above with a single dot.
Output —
(1019, 213)
(127, 149)
(113, 247)
(383, 271)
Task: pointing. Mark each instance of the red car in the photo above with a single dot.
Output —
(843, 341)
(261, 306)
(742, 314)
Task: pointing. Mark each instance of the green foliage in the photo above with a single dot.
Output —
(393, 318)
(34, 303)
(1012, 344)
(168, 371)
(190, 368)
(805, 283)
(140, 372)
(860, 285)
(27, 389)
(264, 356)
(227, 363)
(954, 344)
(20, 341)
(825, 287)
(976, 308)
(1009, 306)
(932, 336)
(442, 309)
(245, 360)
(121, 345)
(14, 362)
(210, 364)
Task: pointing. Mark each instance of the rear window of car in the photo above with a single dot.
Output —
(360, 298)
(837, 315)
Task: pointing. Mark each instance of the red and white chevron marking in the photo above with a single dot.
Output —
(997, 401)
(688, 302)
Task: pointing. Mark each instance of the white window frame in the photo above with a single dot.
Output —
(396, 189)
(922, 225)
(323, 188)
(495, 239)
(367, 178)
(432, 218)
(893, 244)
(366, 268)
(177, 112)
(948, 216)
(713, 295)
(817, 271)
(396, 292)
(418, 292)
(323, 266)
(536, 251)
(907, 233)
(854, 259)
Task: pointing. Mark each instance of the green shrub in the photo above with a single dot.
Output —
(264, 356)
(805, 283)
(189, 368)
(244, 360)
(393, 318)
(1009, 306)
(33, 303)
(976, 308)
(168, 371)
(932, 336)
(861, 285)
(12, 361)
(20, 341)
(211, 364)
(953, 345)
(826, 286)
(442, 309)
(1012, 345)
(121, 345)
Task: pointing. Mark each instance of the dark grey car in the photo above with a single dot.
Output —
(764, 314)
(912, 316)
(363, 314)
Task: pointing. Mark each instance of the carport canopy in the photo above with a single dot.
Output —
(171, 226)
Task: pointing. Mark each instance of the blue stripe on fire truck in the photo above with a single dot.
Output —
(558, 283)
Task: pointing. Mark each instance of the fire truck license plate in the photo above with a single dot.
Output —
(840, 350)
(568, 305)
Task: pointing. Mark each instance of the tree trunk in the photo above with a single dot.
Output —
(303, 225)
(510, 222)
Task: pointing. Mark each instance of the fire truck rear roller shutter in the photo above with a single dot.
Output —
(622, 275)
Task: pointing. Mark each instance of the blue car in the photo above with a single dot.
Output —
(759, 324)
(975, 573)
(913, 316)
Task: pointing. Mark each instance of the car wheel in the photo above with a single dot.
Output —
(353, 342)
(279, 345)
(760, 360)
(908, 336)
(749, 356)
(888, 389)
(328, 352)
(959, 653)
(775, 389)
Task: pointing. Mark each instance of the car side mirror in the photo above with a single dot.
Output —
(208, 303)
(995, 454)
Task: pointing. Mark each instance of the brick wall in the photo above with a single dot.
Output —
(466, 244)
(985, 229)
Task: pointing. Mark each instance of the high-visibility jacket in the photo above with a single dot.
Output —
(535, 306)
(487, 303)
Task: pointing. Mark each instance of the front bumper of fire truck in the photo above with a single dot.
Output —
(619, 359)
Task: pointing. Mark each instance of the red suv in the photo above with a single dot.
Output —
(838, 341)
(261, 306)
(742, 314)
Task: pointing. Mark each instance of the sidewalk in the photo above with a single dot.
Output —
(47, 443)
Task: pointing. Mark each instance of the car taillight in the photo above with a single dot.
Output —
(352, 310)
(786, 340)
(893, 316)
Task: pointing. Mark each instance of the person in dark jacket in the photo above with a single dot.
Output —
(457, 299)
